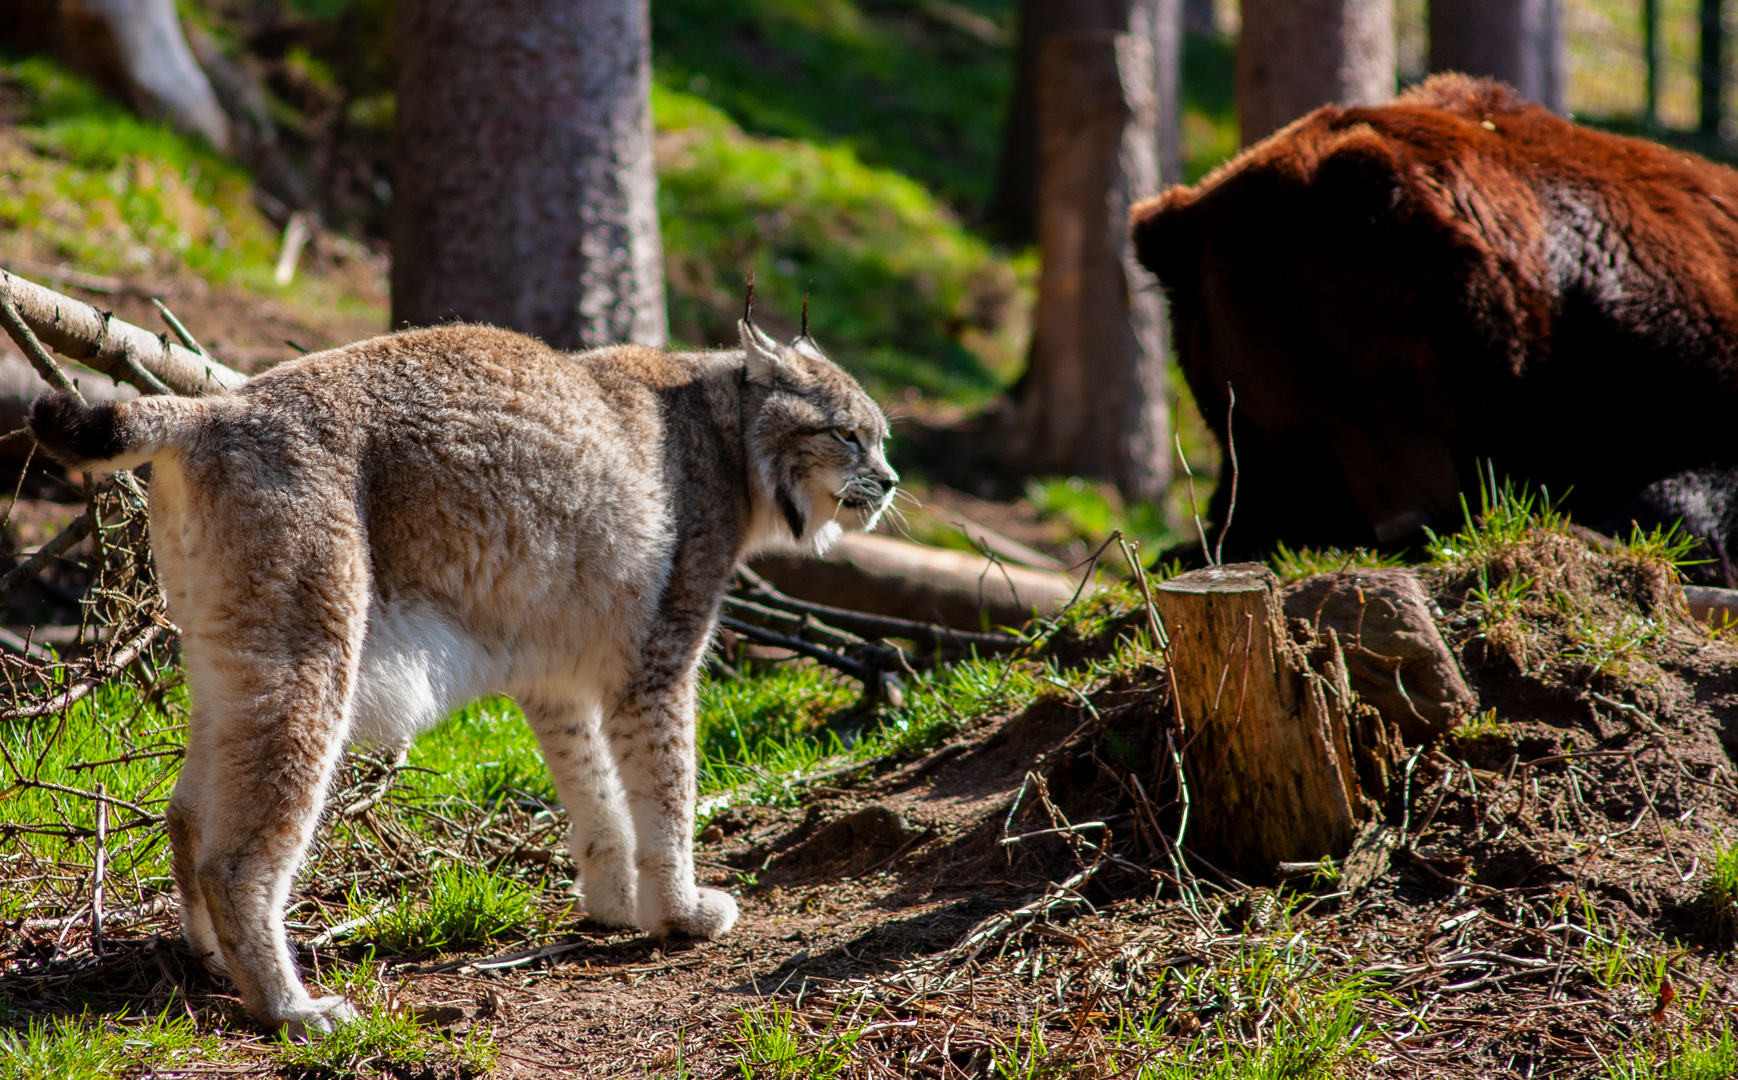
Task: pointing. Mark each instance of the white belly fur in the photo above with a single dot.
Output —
(418, 664)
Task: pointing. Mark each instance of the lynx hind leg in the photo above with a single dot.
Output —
(599, 836)
(652, 736)
(270, 685)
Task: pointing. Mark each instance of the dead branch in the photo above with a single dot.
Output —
(112, 346)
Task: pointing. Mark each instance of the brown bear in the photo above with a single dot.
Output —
(1403, 296)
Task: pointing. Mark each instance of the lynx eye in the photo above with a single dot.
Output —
(849, 438)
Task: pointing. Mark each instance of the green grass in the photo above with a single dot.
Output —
(115, 738)
(99, 1048)
(1720, 892)
(484, 752)
(902, 88)
(111, 193)
(461, 908)
(1689, 1058)
(1093, 510)
(385, 1039)
(901, 294)
(1308, 562)
(769, 1047)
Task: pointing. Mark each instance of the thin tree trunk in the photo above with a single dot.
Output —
(1015, 208)
(1093, 399)
(136, 47)
(524, 187)
(1712, 69)
(1200, 18)
(1296, 55)
(1519, 43)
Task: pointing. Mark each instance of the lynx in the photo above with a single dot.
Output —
(358, 541)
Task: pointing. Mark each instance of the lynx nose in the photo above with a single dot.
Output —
(886, 483)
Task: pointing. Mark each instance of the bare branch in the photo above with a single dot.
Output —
(119, 349)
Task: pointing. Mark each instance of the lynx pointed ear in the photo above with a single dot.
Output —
(764, 363)
(806, 346)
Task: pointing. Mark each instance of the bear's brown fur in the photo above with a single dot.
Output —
(1398, 294)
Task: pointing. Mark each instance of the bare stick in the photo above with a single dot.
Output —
(175, 325)
(123, 656)
(102, 865)
(1231, 448)
(1194, 508)
(47, 553)
(112, 346)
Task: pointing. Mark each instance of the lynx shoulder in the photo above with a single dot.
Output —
(358, 541)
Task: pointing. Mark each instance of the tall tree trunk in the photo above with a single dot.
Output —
(1712, 69)
(1199, 17)
(1517, 41)
(1296, 55)
(135, 48)
(1015, 209)
(1093, 399)
(524, 187)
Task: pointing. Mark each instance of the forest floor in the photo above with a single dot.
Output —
(986, 887)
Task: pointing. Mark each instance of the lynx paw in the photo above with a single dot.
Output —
(320, 1016)
(609, 903)
(713, 915)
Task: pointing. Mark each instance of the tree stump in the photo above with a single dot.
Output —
(1273, 749)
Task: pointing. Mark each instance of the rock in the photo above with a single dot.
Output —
(1395, 656)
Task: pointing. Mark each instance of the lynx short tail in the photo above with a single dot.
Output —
(111, 435)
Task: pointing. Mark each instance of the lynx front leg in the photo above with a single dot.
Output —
(599, 836)
(652, 734)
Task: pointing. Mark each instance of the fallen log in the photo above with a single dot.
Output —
(883, 576)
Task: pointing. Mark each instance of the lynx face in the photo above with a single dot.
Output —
(817, 440)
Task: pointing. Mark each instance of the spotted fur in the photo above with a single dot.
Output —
(357, 542)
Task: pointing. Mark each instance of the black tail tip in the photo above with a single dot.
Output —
(73, 434)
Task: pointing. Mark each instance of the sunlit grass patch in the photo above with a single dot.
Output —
(98, 1048)
(1296, 565)
(114, 193)
(116, 738)
(902, 294)
(1692, 1058)
(1094, 510)
(461, 908)
(770, 1046)
(484, 752)
(385, 1038)
(1720, 892)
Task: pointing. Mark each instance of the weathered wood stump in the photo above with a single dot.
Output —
(1282, 761)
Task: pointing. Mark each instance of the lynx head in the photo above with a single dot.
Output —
(814, 442)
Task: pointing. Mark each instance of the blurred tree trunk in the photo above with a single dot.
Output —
(1015, 208)
(135, 50)
(1711, 69)
(1519, 42)
(523, 177)
(1092, 401)
(1200, 18)
(1296, 55)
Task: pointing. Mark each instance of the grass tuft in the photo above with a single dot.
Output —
(466, 908)
(1309, 562)
(89, 1048)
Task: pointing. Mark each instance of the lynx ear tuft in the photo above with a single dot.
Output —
(762, 352)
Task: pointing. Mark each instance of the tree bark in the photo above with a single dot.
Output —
(1092, 402)
(1015, 209)
(136, 48)
(1296, 55)
(1519, 42)
(524, 187)
(1199, 18)
(1711, 69)
(1268, 757)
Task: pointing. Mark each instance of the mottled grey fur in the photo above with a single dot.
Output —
(358, 541)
